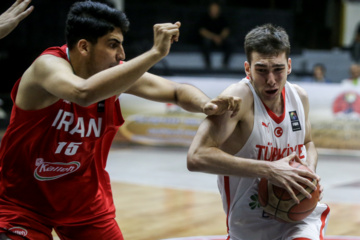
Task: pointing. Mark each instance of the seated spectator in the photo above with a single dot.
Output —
(214, 30)
(318, 74)
(354, 78)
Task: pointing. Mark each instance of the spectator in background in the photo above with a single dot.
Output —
(318, 74)
(214, 31)
(12, 17)
(355, 48)
(354, 78)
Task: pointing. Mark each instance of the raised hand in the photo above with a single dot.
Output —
(164, 35)
(223, 104)
(11, 17)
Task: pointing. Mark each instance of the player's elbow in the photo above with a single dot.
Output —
(194, 162)
(84, 96)
(82, 99)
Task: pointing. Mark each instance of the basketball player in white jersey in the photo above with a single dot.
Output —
(271, 129)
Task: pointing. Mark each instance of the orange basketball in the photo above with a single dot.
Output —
(278, 203)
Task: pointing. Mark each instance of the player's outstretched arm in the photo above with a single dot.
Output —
(190, 98)
(12, 17)
(51, 78)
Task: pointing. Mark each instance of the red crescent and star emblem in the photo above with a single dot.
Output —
(278, 132)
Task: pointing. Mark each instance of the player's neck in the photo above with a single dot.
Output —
(78, 64)
(275, 105)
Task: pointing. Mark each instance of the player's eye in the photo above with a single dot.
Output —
(261, 70)
(114, 45)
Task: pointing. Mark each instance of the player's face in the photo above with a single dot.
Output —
(107, 52)
(268, 75)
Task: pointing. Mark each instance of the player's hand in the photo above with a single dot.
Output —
(11, 17)
(321, 190)
(287, 177)
(164, 35)
(223, 104)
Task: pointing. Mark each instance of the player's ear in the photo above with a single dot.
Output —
(83, 46)
(289, 66)
(247, 69)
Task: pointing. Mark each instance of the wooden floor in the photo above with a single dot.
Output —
(147, 212)
(157, 213)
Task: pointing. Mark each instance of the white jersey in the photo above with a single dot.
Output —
(272, 138)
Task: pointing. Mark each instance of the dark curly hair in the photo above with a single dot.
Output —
(91, 20)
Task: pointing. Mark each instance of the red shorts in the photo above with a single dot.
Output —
(22, 225)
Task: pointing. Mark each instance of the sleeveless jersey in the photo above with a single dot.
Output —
(52, 160)
(272, 138)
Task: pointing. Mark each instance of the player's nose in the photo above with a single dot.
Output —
(271, 79)
(120, 55)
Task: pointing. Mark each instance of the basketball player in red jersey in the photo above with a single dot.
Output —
(271, 129)
(13, 16)
(66, 112)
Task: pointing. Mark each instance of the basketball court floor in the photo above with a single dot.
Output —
(158, 198)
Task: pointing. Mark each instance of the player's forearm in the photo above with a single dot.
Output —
(190, 98)
(118, 79)
(215, 161)
(312, 155)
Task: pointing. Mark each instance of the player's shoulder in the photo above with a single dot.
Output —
(49, 60)
(48, 64)
(300, 91)
(302, 94)
(238, 89)
(242, 90)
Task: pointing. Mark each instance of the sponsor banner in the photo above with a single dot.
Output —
(334, 115)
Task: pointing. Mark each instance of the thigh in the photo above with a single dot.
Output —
(104, 230)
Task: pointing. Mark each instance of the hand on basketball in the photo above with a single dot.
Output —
(321, 190)
(12, 17)
(223, 104)
(164, 35)
(287, 177)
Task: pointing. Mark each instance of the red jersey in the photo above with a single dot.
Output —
(52, 160)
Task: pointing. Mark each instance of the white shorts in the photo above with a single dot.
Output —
(312, 227)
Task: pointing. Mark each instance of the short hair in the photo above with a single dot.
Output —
(267, 40)
(92, 20)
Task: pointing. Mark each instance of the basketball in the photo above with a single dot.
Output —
(278, 203)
